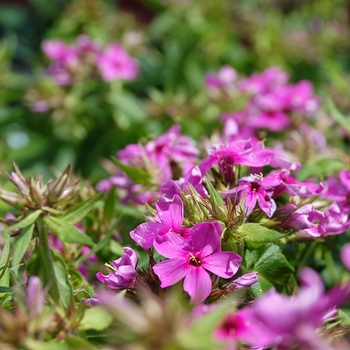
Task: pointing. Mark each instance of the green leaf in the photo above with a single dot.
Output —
(64, 284)
(32, 344)
(95, 318)
(109, 207)
(20, 247)
(76, 343)
(321, 167)
(5, 289)
(67, 232)
(79, 211)
(4, 264)
(214, 195)
(273, 265)
(136, 175)
(27, 221)
(261, 287)
(339, 117)
(255, 233)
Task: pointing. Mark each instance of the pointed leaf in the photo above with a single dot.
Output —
(20, 247)
(27, 221)
(339, 117)
(255, 233)
(136, 175)
(109, 207)
(4, 264)
(79, 211)
(64, 284)
(67, 232)
(214, 195)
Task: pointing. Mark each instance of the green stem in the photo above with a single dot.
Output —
(305, 255)
(47, 262)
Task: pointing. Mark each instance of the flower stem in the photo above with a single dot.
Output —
(47, 265)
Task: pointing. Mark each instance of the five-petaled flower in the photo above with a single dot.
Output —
(193, 261)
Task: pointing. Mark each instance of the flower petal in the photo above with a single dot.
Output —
(171, 271)
(223, 264)
(145, 234)
(170, 212)
(197, 284)
(172, 245)
(206, 238)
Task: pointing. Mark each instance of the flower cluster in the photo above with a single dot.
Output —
(271, 101)
(160, 159)
(113, 62)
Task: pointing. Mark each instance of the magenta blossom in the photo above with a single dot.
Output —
(244, 152)
(193, 177)
(115, 63)
(193, 261)
(170, 214)
(308, 220)
(223, 80)
(275, 319)
(253, 190)
(123, 275)
(345, 255)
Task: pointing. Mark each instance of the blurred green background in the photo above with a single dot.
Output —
(176, 42)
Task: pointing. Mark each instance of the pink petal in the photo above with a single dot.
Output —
(206, 237)
(197, 284)
(171, 271)
(172, 246)
(345, 255)
(145, 234)
(170, 212)
(223, 264)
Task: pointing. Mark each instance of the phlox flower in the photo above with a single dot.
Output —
(275, 319)
(193, 177)
(194, 260)
(123, 273)
(170, 214)
(308, 220)
(223, 80)
(115, 63)
(253, 190)
(244, 152)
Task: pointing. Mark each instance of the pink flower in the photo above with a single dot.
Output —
(193, 261)
(345, 255)
(115, 63)
(254, 190)
(276, 319)
(169, 219)
(223, 80)
(244, 152)
(123, 275)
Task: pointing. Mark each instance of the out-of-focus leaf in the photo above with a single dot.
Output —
(199, 335)
(137, 175)
(109, 206)
(20, 247)
(67, 232)
(321, 167)
(76, 343)
(96, 318)
(339, 117)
